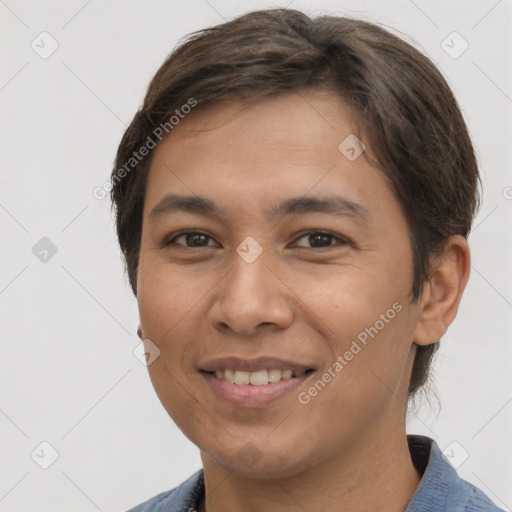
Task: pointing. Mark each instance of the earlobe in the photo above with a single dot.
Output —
(442, 293)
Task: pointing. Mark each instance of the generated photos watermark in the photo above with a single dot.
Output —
(102, 191)
(357, 345)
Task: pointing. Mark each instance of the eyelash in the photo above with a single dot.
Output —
(341, 241)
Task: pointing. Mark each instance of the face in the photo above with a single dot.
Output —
(274, 278)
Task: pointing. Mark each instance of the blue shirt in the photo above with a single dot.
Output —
(440, 489)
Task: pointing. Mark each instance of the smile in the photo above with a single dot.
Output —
(253, 383)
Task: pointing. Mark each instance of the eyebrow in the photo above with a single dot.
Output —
(332, 204)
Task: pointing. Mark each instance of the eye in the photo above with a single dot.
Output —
(321, 239)
(313, 240)
(191, 238)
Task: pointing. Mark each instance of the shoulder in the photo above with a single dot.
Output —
(181, 498)
(441, 488)
(474, 500)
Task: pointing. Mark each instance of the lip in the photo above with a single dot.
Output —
(253, 365)
(249, 396)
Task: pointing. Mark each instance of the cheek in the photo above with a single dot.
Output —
(179, 398)
(166, 297)
(351, 298)
(376, 375)
(370, 326)
(169, 305)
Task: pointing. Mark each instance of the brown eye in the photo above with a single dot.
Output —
(192, 239)
(320, 239)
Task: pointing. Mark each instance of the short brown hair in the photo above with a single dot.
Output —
(405, 111)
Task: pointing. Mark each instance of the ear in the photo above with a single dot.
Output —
(442, 293)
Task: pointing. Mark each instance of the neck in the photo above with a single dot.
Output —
(375, 474)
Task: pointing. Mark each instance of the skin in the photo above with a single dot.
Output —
(301, 299)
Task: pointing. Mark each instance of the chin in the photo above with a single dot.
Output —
(260, 460)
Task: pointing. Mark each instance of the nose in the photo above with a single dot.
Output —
(250, 297)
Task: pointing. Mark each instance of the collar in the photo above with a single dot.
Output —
(440, 489)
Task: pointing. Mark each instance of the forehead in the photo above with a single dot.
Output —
(294, 123)
(262, 153)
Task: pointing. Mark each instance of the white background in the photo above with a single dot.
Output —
(68, 327)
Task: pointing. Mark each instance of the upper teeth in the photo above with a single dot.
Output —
(258, 378)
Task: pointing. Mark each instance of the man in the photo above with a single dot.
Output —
(293, 202)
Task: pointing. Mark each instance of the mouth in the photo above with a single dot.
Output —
(253, 383)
